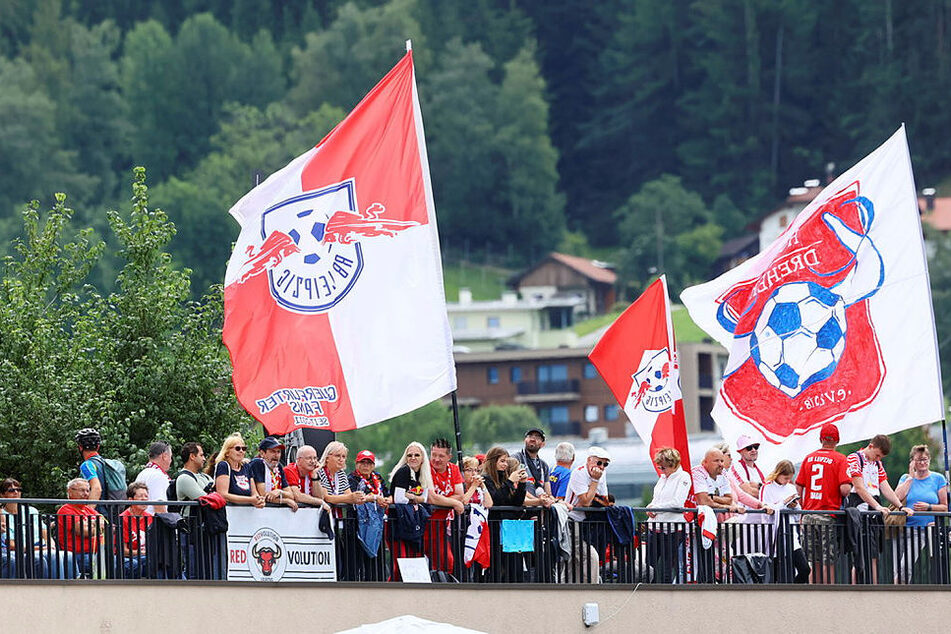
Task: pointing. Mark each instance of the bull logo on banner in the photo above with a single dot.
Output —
(266, 560)
(805, 351)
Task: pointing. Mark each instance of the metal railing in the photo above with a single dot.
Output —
(526, 545)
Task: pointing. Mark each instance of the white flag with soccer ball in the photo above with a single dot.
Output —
(833, 321)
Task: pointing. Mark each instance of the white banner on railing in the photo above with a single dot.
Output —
(278, 545)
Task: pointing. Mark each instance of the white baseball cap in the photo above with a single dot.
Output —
(599, 452)
(745, 441)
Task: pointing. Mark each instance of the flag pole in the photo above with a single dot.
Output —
(944, 433)
(455, 423)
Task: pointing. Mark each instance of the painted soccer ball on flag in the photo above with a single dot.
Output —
(799, 337)
(804, 346)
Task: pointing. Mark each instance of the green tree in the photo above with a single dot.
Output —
(667, 229)
(250, 139)
(484, 427)
(340, 64)
(529, 197)
(140, 364)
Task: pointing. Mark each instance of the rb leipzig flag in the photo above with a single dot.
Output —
(335, 314)
(833, 321)
(637, 358)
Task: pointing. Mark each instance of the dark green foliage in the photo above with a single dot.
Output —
(141, 363)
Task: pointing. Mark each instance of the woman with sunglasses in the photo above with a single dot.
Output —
(47, 564)
(232, 476)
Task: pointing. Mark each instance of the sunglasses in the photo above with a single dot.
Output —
(414, 455)
(751, 448)
(603, 463)
(240, 448)
(13, 490)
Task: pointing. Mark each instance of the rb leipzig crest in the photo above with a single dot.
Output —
(311, 247)
(656, 384)
(805, 350)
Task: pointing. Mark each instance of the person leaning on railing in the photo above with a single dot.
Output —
(665, 540)
(474, 484)
(925, 491)
(80, 528)
(267, 474)
(232, 476)
(304, 480)
(587, 487)
(134, 521)
(505, 482)
(47, 563)
(776, 494)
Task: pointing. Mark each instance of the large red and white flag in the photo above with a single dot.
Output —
(335, 313)
(833, 321)
(637, 358)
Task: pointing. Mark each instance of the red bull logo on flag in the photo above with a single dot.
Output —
(833, 321)
(656, 384)
(335, 313)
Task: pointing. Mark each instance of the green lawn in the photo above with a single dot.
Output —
(484, 282)
(684, 328)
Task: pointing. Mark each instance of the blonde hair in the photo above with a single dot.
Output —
(332, 446)
(783, 467)
(425, 474)
(470, 463)
(917, 449)
(669, 456)
(512, 464)
(230, 443)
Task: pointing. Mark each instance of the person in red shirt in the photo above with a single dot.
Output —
(80, 529)
(304, 480)
(447, 492)
(822, 483)
(134, 521)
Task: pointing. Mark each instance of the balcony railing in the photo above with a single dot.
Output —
(525, 545)
(570, 386)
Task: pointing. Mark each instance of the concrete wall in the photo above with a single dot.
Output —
(106, 607)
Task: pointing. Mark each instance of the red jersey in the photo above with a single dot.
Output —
(445, 484)
(821, 474)
(134, 527)
(294, 479)
(70, 515)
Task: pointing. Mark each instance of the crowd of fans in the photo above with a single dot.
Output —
(427, 490)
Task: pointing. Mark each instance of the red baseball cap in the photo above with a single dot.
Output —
(366, 455)
(829, 432)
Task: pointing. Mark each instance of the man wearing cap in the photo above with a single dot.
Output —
(822, 482)
(268, 475)
(303, 478)
(538, 488)
(586, 487)
(744, 471)
(365, 478)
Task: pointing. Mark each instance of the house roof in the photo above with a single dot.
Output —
(737, 245)
(591, 269)
(940, 217)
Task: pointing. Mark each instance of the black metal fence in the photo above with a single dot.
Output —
(524, 545)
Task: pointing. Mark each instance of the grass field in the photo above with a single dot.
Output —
(684, 328)
(484, 282)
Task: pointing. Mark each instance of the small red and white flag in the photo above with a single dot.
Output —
(637, 358)
(335, 313)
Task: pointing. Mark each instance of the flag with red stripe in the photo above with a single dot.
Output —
(637, 358)
(335, 313)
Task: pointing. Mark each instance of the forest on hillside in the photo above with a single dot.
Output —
(573, 125)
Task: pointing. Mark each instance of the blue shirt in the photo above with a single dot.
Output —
(89, 469)
(559, 481)
(923, 491)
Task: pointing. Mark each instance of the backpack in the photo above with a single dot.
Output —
(171, 493)
(112, 478)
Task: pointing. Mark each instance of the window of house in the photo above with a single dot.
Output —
(590, 413)
(611, 412)
(492, 375)
(460, 323)
(515, 374)
(492, 322)
(589, 371)
(547, 373)
(553, 414)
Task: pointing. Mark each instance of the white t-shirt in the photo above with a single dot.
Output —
(704, 483)
(157, 482)
(578, 485)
